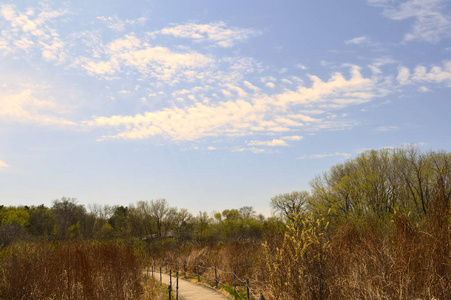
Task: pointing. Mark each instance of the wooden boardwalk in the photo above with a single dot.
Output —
(192, 291)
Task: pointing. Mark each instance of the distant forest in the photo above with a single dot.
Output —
(377, 226)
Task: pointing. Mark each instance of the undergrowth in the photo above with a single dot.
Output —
(72, 270)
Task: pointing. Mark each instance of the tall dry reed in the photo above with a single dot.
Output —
(73, 270)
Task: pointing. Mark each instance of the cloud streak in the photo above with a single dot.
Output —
(430, 24)
(320, 156)
(30, 103)
(361, 41)
(272, 143)
(257, 114)
(3, 164)
(217, 33)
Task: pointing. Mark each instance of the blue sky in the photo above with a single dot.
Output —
(212, 104)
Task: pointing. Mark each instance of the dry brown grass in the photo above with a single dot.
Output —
(73, 270)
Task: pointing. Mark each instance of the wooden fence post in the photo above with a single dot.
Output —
(216, 278)
(234, 281)
(177, 286)
(247, 288)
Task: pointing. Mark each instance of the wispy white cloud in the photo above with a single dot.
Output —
(3, 164)
(411, 145)
(304, 117)
(421, 74)
(272, 143)
(379, 62)
(251, 86)
(431, 23)
(28, 103)
(115, 23)
(251, 114)
(401, 145)
(218, 33)
(252, 149)
(292, 138)
(270, 85)
(301, 66)
(30, 30)
(319, 156)
(436, 74)
(338, 92)
(423, 89)
(403, 75)
(361, 41)
(130, 53)
(387, 128)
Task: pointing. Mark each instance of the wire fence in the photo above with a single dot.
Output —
(210, 274)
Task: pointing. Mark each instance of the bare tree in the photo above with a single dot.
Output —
(68, 213)
(290, 204)
(159, 210)
(247, 212)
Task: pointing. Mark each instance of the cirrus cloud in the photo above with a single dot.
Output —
(272, 143)
(130, 53)
(3, 164)
(25, 105)
(218, 33)
(32, 30)
(431, 23)
(251, 114)
(319, 156)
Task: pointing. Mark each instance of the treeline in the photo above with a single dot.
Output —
(380, 183)
(152, 222)
(375, 184)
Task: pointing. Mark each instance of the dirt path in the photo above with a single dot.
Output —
(191, 291)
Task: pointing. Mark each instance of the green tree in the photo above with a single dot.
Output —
(73, 232)
(118, 220)
(14, 215)
(378, 183)
(13, 223)
(42, 221)
(202, 226)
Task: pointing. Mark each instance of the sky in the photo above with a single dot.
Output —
(212, 104)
